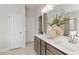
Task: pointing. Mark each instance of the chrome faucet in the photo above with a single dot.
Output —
(73, 38)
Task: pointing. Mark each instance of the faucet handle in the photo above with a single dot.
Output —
(77, 34)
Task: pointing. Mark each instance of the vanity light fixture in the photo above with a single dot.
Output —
(47, 8)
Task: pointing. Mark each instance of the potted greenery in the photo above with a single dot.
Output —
(57, 25)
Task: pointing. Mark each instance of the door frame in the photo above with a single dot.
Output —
(9, 33)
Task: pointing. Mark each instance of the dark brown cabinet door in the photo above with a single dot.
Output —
(53, 50)
(49, 53)
(37, 45)
(43, 48)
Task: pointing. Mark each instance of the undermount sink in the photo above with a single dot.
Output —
(47, 37)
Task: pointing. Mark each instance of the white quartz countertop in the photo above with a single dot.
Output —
(68, 48)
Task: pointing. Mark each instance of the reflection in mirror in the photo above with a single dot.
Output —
(44, 23)
(73, 24)
(40, 24)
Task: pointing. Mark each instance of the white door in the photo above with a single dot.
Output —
(16, 30)
(29, 34)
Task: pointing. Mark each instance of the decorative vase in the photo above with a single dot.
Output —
(59, 30)
(50, 32)
(54, 31)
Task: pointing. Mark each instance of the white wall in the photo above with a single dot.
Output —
(17, 8)
(30, 22)
(32, 15)
(4, 31)
(3, 27)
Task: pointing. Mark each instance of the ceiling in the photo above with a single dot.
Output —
(34, 6)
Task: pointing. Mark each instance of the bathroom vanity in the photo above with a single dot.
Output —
(56, 46)
(44, 48)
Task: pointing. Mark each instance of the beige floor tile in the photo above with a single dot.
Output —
(28, 50)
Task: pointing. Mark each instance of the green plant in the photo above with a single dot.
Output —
(58, 20)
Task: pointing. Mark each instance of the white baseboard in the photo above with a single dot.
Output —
(23, 46)
(4, 50)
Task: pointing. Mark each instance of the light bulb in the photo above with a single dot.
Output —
(47, 9)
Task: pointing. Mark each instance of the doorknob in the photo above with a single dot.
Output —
(20, 32)
(26, 31)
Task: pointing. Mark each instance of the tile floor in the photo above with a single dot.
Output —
(28, 50)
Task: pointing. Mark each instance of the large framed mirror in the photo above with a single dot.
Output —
(70, 25)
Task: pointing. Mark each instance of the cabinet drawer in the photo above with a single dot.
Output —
(42, 50)
(38, 48)
(54, 50)
(48, 52)
(35, 44)
(42, 43)
(37, 38)
(42, 47)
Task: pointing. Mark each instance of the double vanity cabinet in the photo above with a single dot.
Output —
(44, 48)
